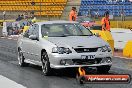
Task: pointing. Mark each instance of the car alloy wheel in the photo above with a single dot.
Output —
(45, 64)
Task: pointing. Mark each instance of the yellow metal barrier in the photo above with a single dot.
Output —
(127, 51)
(119, 24)
(105, 35)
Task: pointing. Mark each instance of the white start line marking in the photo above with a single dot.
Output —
(7, 83)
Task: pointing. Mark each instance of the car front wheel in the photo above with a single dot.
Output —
(45, 64)
(103, 69)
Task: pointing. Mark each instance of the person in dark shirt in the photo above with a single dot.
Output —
(19, 18)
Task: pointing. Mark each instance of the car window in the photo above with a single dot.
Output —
(64, 30)
(85, 32)
(73, 30)
(45, 30)
(52, 30)
(57, 29)
(33, 30)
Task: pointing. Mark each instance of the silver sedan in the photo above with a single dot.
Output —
(63, 44)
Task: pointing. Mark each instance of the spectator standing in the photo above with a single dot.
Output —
(79, 14)
(32, 15)
(34, 20)
(22, 16)
(21, 29)
(105, 22)
(73, 14)
(4, 14)
(19, 18)
(96, 14)
(122, 16)
(25, 15)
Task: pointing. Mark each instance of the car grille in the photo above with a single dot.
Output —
(82, 50)
(86, 61)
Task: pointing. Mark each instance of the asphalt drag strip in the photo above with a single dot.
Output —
(32, 77)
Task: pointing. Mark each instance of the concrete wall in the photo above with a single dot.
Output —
(121, 37)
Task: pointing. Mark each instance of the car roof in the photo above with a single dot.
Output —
(53, 22)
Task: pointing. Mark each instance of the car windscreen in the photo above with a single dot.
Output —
(96, 28)
(63, 30)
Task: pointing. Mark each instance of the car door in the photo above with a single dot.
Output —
(34, 45)
(25, 41)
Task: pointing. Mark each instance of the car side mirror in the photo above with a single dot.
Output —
(97, 34)
(33, 37)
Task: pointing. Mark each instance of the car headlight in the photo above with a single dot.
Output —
(61, 50)
(105, 48)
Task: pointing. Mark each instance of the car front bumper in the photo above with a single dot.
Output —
(55, 60)
(74, 66)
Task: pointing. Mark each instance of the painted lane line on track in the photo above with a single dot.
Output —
(7, 83)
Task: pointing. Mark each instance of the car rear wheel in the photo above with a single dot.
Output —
(103, 69)
(45, 64)
(21, 58)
